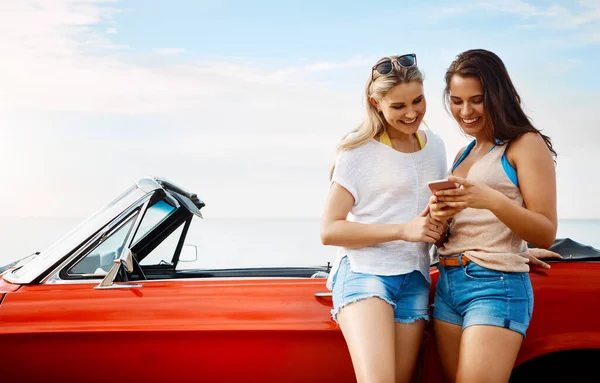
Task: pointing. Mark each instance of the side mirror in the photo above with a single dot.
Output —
(189, 253)
(126, 261)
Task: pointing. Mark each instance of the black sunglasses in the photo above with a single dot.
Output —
(386, 66)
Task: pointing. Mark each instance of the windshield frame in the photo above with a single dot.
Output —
(35, 268)
(44, 264)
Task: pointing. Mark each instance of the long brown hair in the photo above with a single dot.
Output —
(505, 117)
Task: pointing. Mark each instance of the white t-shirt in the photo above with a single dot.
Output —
(389, 187)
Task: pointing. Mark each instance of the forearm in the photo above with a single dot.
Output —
(351, 235)
(532, 227)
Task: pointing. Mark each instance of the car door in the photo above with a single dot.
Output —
(173, 329)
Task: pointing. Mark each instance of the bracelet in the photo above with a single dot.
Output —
(447, 232)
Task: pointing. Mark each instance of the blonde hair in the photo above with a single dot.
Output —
(377, 87)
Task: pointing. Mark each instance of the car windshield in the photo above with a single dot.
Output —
(101, 258)
(78, 235)
(155, 215)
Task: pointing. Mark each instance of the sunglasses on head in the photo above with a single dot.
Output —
(386, 66)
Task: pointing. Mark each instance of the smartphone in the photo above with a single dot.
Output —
(442, 185)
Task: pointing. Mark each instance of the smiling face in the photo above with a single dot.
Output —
(403, 107)
(466, 104)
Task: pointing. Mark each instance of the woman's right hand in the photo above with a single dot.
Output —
(536, 255)
(423, 228)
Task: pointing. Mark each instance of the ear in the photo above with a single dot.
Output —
(374, 103)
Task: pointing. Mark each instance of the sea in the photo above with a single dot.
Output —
(231, 243)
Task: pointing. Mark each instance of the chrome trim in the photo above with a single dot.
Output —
(95, 281)
(108, 282)
(73, 239)
(323, 295)
(148, 184)
(80, 236)
(54, 277)
(126, 251)
(234, 279)
(58, 281)
(119, 286)
(109, 278)
(128, 261)
(125, 259)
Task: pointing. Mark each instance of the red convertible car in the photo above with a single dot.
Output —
(110, 301)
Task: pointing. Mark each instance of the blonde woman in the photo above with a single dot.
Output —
(377, 212)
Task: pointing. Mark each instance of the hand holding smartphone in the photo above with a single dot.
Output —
(442, 185)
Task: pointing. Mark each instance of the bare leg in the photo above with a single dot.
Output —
(447, 338)
(408, 344)
(487, 354)
(368, 327)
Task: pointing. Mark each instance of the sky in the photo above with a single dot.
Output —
(244, 102)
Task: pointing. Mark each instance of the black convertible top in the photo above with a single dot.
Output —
(574, 251)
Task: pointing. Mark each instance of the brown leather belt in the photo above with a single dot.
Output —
(454, 261)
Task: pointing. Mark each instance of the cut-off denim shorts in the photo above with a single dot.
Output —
(408, 294)
(474, 295)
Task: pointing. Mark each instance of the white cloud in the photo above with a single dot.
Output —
(111, 31)
(444, 12)
(78, 118)
(325, 66)
(552, 17)
(213, 113)
(87, 75)
(168, 51)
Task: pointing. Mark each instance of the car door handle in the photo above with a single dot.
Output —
(323, 295)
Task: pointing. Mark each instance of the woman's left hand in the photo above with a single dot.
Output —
(471, 194)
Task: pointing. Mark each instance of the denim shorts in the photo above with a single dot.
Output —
(474, 295)
(408, 294)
